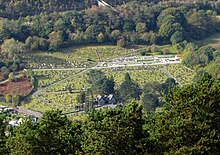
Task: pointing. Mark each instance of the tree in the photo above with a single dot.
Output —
(100, 83)
(10, 47)
(141, 27)
(128, 26)
(171, 14)
(149, 101)
(3, 148)
(55, 39)
(129, 89)
(114, 35)
(189, 124)
(200, 25)
(11, 76)
(168, 85)
(90, 34)
(213, 68)
(114, 131)
(15, 100)
(57, 134)
(121, 42)
(100, 38)
(81, 98)
(216, 54)
(168, 29)
(23, 139)
(52, 134)
(177, 37)
(205, 54)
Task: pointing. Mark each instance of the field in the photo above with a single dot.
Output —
(181, 74)
(84, 57)
(141, 75)
(59, 96)
(21, 87)
(158, 50)
(48, 77)
(62, 100)
(62, 75)
(74, 57)
(213, 40)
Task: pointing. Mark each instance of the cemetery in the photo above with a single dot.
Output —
(78, 57)
(62, 75)
(63, 94)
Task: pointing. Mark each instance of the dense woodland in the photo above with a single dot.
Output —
(134, 23)
(140, 23)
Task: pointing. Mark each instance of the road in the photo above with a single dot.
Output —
(29, 112)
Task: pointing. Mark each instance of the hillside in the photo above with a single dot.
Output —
(22, 8)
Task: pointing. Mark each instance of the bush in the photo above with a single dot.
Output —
(143, 53)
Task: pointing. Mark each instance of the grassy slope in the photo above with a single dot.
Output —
(57, 94)
(213, 40)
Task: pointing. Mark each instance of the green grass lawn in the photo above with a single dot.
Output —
(73, 56)
(57, 96)
(62, 100)
(160, 50)
(84, 56)
(213, 40)
(48, 77)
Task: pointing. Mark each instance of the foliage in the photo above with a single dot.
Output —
(129, 89)
(11, 76)
(202, 56)
(55, 39)
(100, 83)
(114, 131)
(3, 148)
(53, 134)
(10, 48)
(177, 37)
(81, 98)
(141, 22)
(189, 123)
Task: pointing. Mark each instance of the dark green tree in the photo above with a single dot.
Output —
(129, 89)
(149, 101)
(189, 123)
(52, 134)
(3, 148)
(114, 131)
(177, 37)
(100, 83)
(81, 98)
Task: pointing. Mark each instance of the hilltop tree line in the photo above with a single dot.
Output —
(15, 9)
(133, 23)
(188, 124)
(21, 8)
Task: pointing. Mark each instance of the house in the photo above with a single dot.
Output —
(111, 99)
(102, 100)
